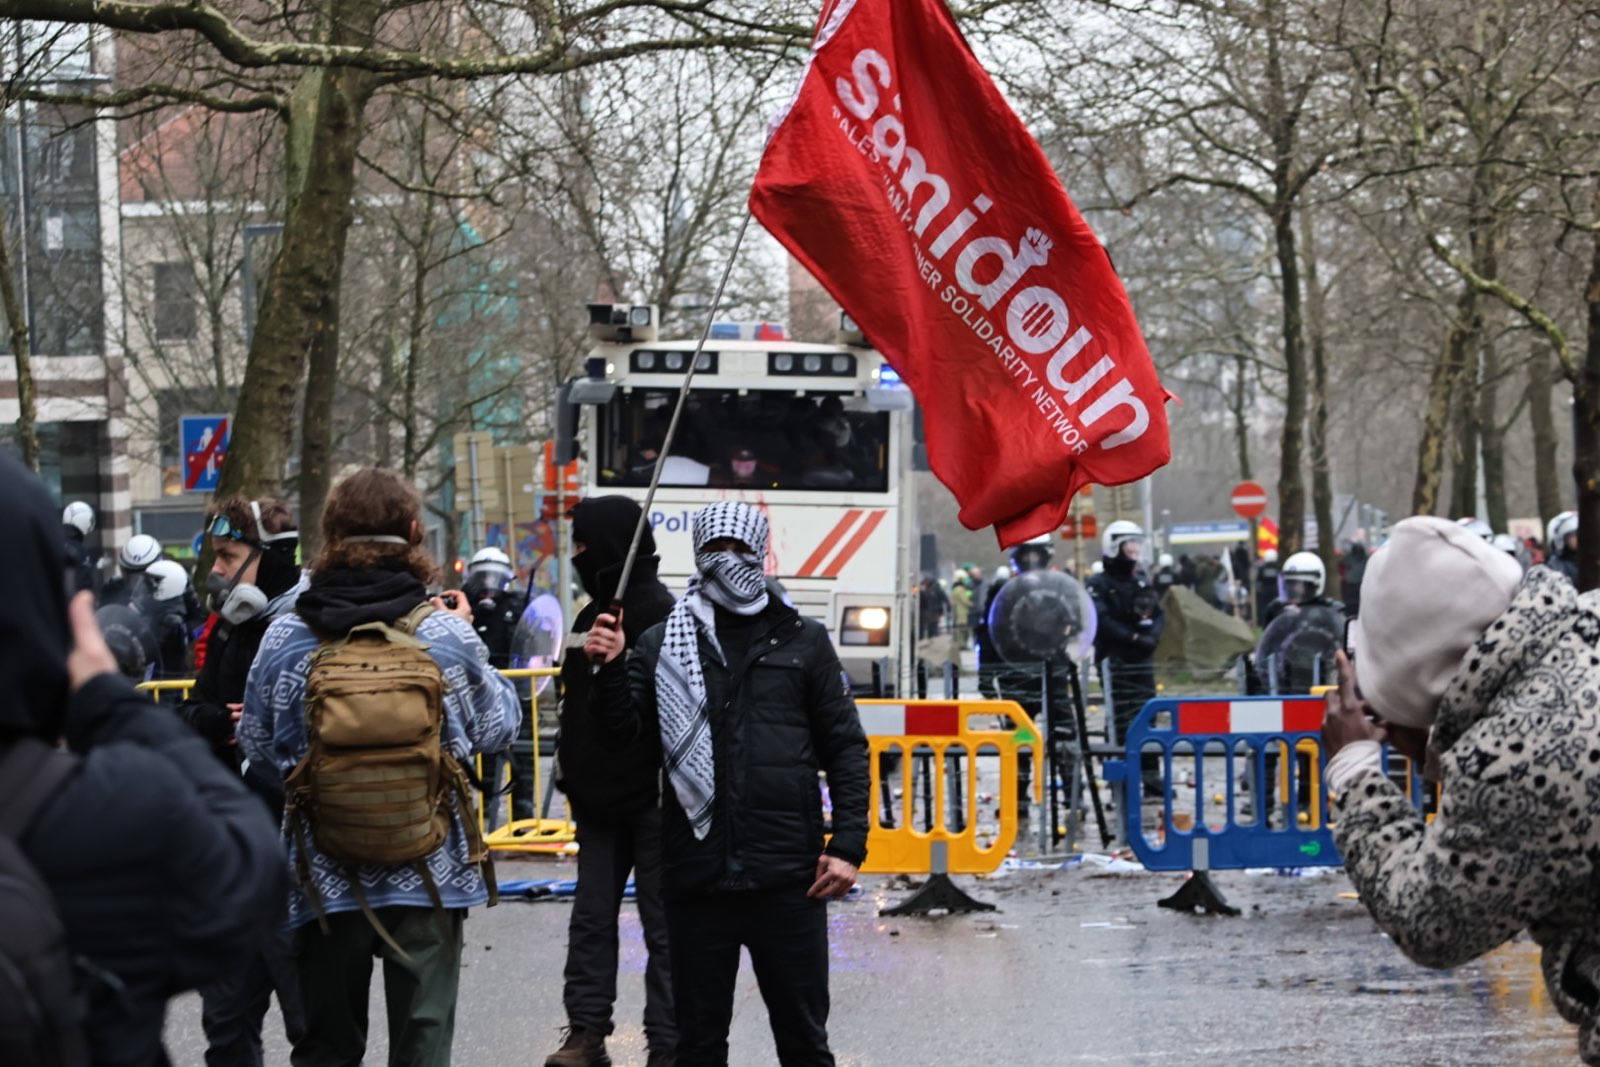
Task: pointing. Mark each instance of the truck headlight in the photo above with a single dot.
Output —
(864, 626)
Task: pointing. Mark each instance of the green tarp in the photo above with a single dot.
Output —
(1199, 636)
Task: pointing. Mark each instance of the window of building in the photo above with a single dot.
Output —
(173, 307)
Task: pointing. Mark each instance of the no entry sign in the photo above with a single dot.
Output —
(1249, 500)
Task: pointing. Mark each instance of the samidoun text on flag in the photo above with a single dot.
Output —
(901, 179)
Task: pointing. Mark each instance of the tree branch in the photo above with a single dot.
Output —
(158, 94)
(556, 56)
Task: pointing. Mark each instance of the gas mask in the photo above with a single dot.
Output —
(235, 601)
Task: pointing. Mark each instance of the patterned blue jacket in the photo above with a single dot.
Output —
(482, 714)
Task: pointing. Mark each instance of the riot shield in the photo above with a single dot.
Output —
(538, 636)
(1042, 617)
(1296, 651)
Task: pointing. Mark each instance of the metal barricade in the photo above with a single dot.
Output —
(1226, 738)
(1250, 792)
(540, 833)
(939, 740)
(157, 690)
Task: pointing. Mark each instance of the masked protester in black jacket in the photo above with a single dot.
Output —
(615, 795)
(254, 579)
(749, 702)
(164, 870)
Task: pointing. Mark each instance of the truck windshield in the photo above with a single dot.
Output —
(731, 439)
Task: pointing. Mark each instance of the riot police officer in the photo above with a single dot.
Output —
(77, 523)
(1300, 584)
(160, 596)
(497, 608)
(1561, 552)
(137, 554)
(1130, 625)
(1016, 668)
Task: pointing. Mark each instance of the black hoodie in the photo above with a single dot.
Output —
(164, 870)
(600, 780)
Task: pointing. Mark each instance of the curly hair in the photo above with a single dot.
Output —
(373, 502)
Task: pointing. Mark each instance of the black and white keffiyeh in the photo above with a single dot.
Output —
(736, 582)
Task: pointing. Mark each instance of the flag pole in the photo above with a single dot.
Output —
(672, 427)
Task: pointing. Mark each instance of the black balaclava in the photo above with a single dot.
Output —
(278, 571)
(35, 637)
(605, 526)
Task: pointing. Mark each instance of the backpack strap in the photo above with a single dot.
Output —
(30, 773)
(412, 619)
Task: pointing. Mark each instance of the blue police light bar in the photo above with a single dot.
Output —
(888, 377)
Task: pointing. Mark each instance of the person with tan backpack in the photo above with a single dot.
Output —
(368, 700)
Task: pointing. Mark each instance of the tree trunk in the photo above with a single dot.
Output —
(21, 348)
(1464, 473)
(1492, 439)
(1241, 415)
(1546, 475)
(1586, 434)
(299, 312)
(383, 430)
(1291, 477)
(416, 338)
(1436, 413)
(1321, 471)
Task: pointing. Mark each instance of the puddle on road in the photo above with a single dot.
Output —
(1506, 981)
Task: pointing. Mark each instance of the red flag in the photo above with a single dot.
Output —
(906, 185)
(1266, 535)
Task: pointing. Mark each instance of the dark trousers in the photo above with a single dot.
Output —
(419, 988)
(787, 935)
(608, 849)
(232, 1009)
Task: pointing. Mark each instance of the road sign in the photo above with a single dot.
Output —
(203, 441)
(1249, 500)
(1208, 533)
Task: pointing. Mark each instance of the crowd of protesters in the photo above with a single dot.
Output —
(305, 811)
(282, 828)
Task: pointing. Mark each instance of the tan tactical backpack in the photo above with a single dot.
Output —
(376, 785)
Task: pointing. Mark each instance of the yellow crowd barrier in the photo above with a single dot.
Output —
(157, 690)
(526, 835)
(901, 843)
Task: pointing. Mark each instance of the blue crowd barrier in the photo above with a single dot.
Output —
(1247, 734)
(1279, 820)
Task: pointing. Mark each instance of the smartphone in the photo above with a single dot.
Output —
(1351, 629)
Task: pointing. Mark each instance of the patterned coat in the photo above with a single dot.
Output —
(482, 713)
(1515, 840)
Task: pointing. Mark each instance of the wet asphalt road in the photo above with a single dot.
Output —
(1078, 966)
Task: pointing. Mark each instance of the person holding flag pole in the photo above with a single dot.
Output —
(901, 179)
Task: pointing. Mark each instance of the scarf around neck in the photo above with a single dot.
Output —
(736, 582)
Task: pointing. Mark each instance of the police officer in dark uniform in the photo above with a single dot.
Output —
(1128, 630)
(497, 607)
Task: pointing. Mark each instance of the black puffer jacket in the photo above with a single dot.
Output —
(601, 779)
(230, 651)
(164, 870)
(776, 720)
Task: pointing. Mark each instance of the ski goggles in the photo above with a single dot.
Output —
(222, 526)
